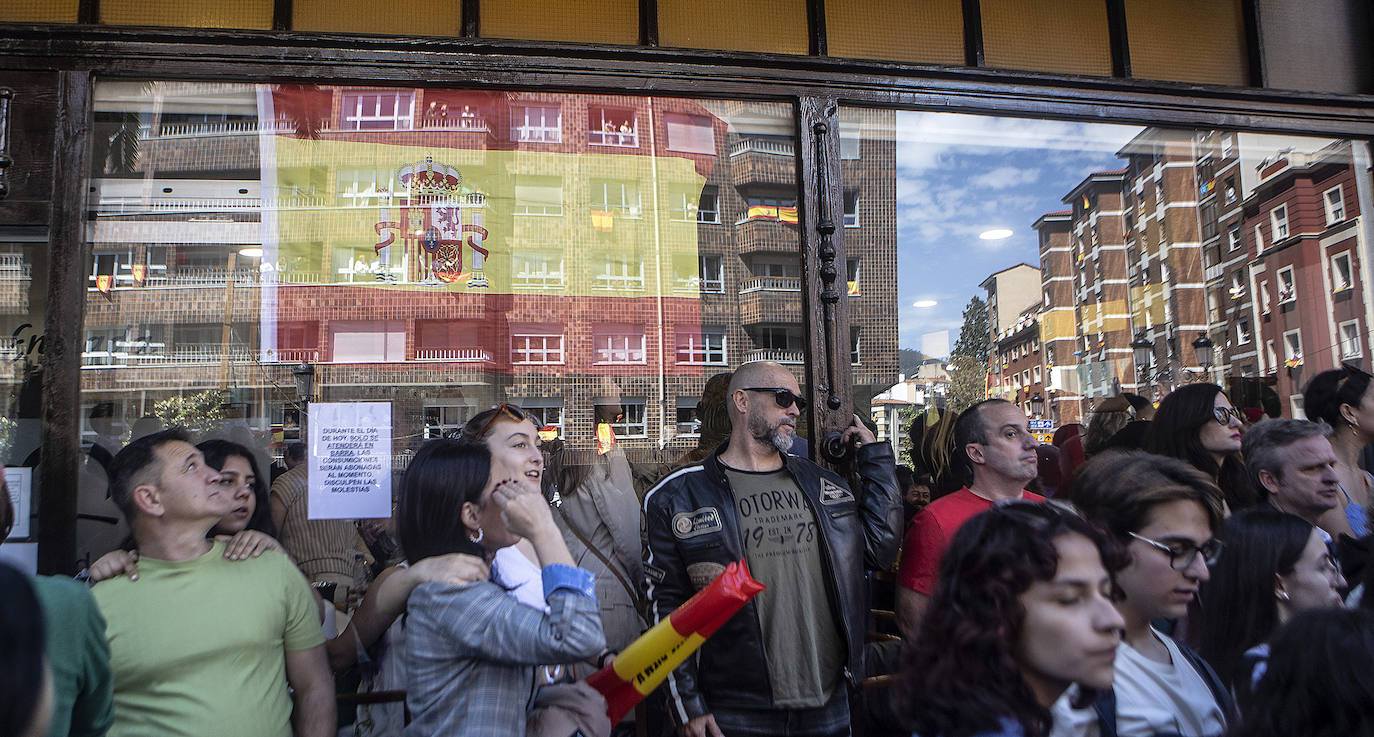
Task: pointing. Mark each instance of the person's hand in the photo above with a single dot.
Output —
(248, 544)
(455, 569)
(857, 430)
(702, 726)
(524, 509)
(115, 563)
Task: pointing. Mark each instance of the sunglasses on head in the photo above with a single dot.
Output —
(1223, 415)
(784, 397)
(504, 409)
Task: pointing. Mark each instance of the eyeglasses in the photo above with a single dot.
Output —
(503, 409)
(1182, 554)
(784, 397)
(1223, 415)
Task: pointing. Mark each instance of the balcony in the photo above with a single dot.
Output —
(763, 162)
(770, 284)
(454, 355)
(776, 356)
(759, 305)
(767, 236)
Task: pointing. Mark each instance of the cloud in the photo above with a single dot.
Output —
(1005, 177)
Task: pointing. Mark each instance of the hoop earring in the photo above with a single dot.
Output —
(480, 535)
(1283, 596)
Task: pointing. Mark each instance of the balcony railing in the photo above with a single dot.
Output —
(776, 356)
(454, 123)
(457, 355)
(770, 284)
(749, 145)
(215, 128)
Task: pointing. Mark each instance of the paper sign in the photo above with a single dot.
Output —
(1042, 425)
(20, 481)
(350, 460)
(23, 556)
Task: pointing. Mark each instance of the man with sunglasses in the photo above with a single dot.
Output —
(1293, 463)
(788, 662)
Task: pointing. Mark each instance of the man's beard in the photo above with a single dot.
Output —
(773, 435)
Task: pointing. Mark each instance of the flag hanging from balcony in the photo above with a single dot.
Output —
(103, 282)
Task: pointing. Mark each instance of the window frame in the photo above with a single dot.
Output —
(1334, 215)
(1349, 277)
(544, 333)
(1341, 339)
(1278, 223)
(1288, 288)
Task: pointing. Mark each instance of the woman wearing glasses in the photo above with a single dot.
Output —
(1022, 609)
(1342, 398)
(1165, 513)
(1197, 424)
(1272, 566)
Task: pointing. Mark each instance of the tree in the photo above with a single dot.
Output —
(968, 382)
(974, 339)
(196, 412)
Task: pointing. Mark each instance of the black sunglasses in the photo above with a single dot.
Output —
(784, 397)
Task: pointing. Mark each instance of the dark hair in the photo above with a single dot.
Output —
(971, 428)
(1319, 681)
(1119, 488)
(905, 477)
(1327, 391)
(961, 675)
(1264, 442)
(294, 452)
(135, 463)
(6, 510)
(21, 640)
(1138, 403)
(443, 476)
(1239, 610)
(1176, 432)
(216, 453)
(479, 422)
(565, 469)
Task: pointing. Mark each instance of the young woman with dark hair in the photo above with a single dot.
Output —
(1342, 398)
(1021, 611)
(1320, 679)
(1197, 423)
(1272, 566)
(472, 650)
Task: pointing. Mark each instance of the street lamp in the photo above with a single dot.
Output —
(1037, 405)
(1144, 350)
(1203, 348)
(305, 382)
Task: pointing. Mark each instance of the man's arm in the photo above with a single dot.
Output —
(911, 609)
(666, 587)
(307, 671)
(880, 503)
(921, 550)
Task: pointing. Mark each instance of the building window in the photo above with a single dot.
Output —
(690, 204)
(445, 420)
(1229, 190)
(712, 274)
(546, 413)
(1237, 289)
(447, 340)
(783, 269)
(709, 209)
(1269, 354)
(1209, 221)
(538, 196)
(612, 127)
(1335, 205)
(626, 419)
(691, 134)
(1278, 220)
(1350, 339)
(1233, 238)
(618, 344)
(1341, 276)
(1228, 143)
(1242, 331)
(537, 346)
(706, 347)
(614, 198)
(851, 209)
(783, 209)
(1259, 239)
(854, 355)
(536, 123)
(620, 273)
(1264, 296)
(366, 342)
(378, 111)
(688, 424)
(365, 187)
(536, 270)
(1292, 346)
(1288, 288)
(1035, 374)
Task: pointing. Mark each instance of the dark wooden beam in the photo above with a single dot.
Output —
(648, 22)
(1254, 43)
(472, 18)
(61, 358)
(1120, 43)
(283, 15)
(973, 33)
(815, 25)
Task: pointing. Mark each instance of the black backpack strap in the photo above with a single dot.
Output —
(1213, 681)
(1105, 708)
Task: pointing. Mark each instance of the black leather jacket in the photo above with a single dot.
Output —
(859, 531)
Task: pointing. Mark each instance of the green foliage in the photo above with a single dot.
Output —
(196, 412)
(968, 382)
(974, 339)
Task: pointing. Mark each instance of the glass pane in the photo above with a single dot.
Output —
(23, 308)
(1057, 264)
(593, 259)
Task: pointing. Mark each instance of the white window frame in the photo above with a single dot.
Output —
(1243, 332)
(531, 270)
(1227, 145)
(705, 348)
(1292, 344)
(1341, 282)
(712, 273)
(620, 273)
(447, 424)
(523, 130)
(535, 346)
(356, 116)
(1278, 222)
(1288, 285)
(692, 427)
(540, 407)
(1264, 296)
(538, 208)
(1233, 239)
(618, 345)
(851, 208)
(597, 135)
(625, 205)
(1335, 211)
(1348, 334)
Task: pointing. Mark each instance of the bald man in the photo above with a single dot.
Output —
(793, 655)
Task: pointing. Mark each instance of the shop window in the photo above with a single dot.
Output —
(705, 347)
(1278, 221)
(378, 111)
(613, 127)
(1288, 288)
(536, 123)
(537, 346)
(537, 270)
(1335, 205)
(693, 134)
(1341, 274)
(612, 344)
(538, 196)
(1350, 339)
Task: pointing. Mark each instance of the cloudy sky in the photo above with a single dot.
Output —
(959, 175)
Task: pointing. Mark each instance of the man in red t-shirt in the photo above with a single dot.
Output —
(994, 439)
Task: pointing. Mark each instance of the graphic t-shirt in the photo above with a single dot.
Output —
(783, 549)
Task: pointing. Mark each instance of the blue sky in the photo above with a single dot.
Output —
(958, 175)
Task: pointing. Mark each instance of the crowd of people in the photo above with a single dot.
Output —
(1181, 570)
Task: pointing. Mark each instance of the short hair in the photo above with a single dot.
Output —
(1118, 489)
(1263, 444)
(22, 642)
(971, 428)
(135, 462)
(443, 476)
(961, 673)
(294, 452)
(750, 373)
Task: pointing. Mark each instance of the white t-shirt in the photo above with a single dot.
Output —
(521, 577)
(1151, 698)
